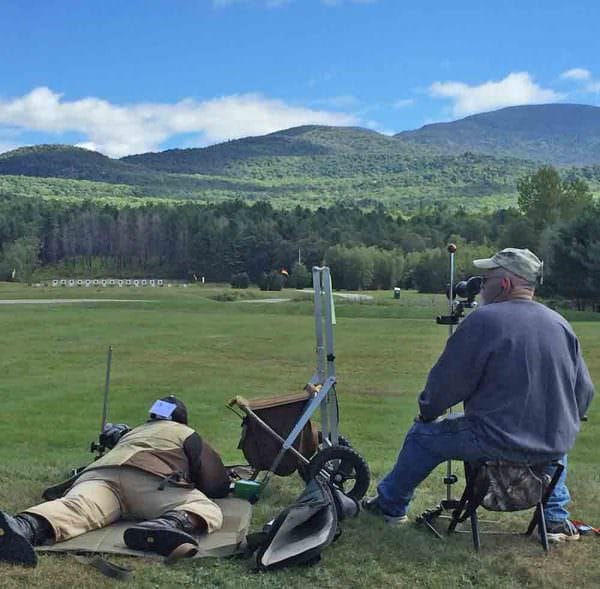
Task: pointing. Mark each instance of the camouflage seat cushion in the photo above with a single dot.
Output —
(508, 486)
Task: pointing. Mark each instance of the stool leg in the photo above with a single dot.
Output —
(464, 504)
(475, 531)
(456, 514)
(533, 523)
(541, 520)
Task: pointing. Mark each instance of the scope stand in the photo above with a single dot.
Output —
(445, 507)
(456, 308)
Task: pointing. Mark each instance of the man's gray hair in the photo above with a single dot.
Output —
(517, 281)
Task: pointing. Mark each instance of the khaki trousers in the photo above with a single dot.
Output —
(105, 495)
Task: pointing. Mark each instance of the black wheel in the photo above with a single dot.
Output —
(303, 469)
(344, 467)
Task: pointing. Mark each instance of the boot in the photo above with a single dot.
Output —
(163, 534)
(18, 536)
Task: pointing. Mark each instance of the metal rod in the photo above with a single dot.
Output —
(330, 401)
(451, 294)
(308, 412)
(319, 323)
(106, 389)
(269, 429)
(451, 251)
(318, 284)
(328, 322)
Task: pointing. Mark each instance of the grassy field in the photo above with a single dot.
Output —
(200, 345)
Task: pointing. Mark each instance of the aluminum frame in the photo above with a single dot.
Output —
(323, 380)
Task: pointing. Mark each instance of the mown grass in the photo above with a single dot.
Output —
(52, 361)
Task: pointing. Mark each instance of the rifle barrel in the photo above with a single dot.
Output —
(106, 389)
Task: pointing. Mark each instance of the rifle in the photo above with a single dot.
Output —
(100, 445)
(108, 438)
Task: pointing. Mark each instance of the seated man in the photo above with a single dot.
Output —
(161, 471)
(517, 367)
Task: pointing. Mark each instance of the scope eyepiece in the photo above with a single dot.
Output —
(466, 289)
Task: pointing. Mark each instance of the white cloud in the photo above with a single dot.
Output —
(119, 130)
(403, 103)
(517, 88)
(586, 82)
(577, 73)
(7, 146)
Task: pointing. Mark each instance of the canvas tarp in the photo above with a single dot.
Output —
(225, 542)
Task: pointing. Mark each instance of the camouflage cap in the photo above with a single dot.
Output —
(521, 262)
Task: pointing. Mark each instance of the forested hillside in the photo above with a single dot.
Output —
(66, 161)
(315, 165)
(378, 209)
(354, 166)
(564, 134)
(312, 142)
(557, 217)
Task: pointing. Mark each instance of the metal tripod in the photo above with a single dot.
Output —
(448, 504)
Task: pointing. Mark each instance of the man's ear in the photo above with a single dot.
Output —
(505, 283)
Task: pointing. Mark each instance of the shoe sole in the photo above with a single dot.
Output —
(395, 521)
(156, 540)
(15, 549)
(560, 538)
(373, 509)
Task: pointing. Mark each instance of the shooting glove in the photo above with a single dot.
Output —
(112, 433)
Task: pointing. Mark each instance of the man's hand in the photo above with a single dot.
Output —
(420, 419)
(112, 433)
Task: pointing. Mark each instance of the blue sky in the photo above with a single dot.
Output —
(130, 76)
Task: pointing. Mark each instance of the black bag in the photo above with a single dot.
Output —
(302, 530)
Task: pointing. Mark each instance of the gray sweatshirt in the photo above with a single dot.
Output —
(518, 369)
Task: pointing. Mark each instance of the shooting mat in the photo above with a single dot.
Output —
(225, 542)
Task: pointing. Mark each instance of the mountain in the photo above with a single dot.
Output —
(66, 161)
(560, 134)
(472, 161)
(75, 163)
(309, 142)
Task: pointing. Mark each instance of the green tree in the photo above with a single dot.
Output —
(545, 198)
(300, 277)
(240, 280)
(573, 267)
(352, 268)
(388, 266)
(20, 258)
(271, 281)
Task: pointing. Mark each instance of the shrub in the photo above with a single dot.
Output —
(271, 281)
(300, 277)
(240, 280)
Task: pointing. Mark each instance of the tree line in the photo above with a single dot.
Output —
(556, 217)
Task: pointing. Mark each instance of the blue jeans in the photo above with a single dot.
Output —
(429, 444)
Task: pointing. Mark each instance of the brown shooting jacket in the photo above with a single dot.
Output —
(169, 449)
